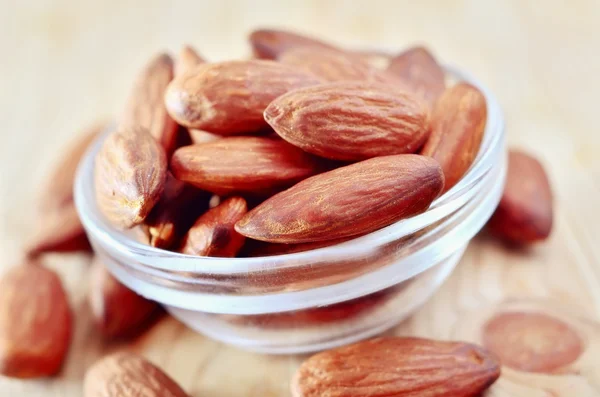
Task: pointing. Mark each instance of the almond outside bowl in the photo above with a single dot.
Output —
(317, 299)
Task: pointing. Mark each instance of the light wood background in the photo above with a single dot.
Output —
(65, 63)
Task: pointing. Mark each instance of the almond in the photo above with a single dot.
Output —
(271, 43)
(58, 191)
(243, 164)
(230, 97)
(199, 136)
(213, 234)
(188, 59)
(524, 214)
(335, 65)
(532, 342)
(395, 366)
(350, 120)
(130, 173)
(117, 311)
(35, 322)
(180, 204)
(145, 106)
(58, 230)
(458, 123)
(419, 70)
(347, 201)
(127, 374)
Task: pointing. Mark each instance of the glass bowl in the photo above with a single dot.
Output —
(316, 299)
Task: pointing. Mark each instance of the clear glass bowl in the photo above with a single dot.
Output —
(315, 299)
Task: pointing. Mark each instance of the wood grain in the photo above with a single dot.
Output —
(73, 62)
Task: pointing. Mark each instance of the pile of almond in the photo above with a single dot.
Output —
(313, 145)
(304, 146)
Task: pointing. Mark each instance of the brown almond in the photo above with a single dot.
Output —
(188, 59)
(350, 120)
(532, 342)
(348, 201)
(127, 374)
(213, 234)
(396, 366)
(58, 230)
(35, 322)
(524, 214)
(271, 43)
(58, 190)
(419, 70)
(180, 204)
(243, 164)
(145, 106)
(117, 311)
(335, 65)
(229, 97)
(457, 126)
(130, 174)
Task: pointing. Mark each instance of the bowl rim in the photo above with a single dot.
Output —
(168, 261)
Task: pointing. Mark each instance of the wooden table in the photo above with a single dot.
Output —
(67, 63)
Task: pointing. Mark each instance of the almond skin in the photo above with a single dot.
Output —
(419, 70)
(524, 214)
(130, 174)
(117, 311)
(532, 342)
(348, 201)
(229, 98)
(35, 322)
(335, 65)
(395, 366)
(350, 120)
(145, 106)
(243, 164)
(58, 230)
(271, 43)
(188, 59)
(179, 205)
(213, 234)
(127, 374)
(458, 123)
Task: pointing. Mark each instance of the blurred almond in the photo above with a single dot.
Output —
(58, 190)
(117, 311)
(350, 120)
(271, 43)
(58, 230)
(524, 214)
(187, 59)
(457, 126)
(128, 375)
(335, 65)
(35, 322)
(213, 234)
(419, 70)
(179, 206)
(396, 366)
(130, 174)
(199, 136)
(243, 164)
(348, 201)
(229, 97)
(145, 106)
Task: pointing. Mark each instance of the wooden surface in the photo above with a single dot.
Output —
(66, 63)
